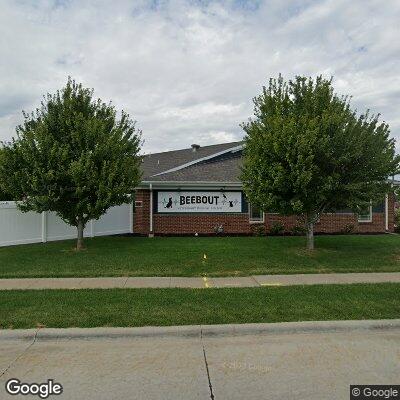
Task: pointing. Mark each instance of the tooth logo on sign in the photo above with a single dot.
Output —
(169, 204)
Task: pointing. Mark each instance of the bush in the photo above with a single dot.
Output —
(259, 230)
(277, 228)
(348, 228)
(219, 229)
(397, 220)
(298, 230)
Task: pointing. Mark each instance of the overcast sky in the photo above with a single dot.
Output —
(187, 70)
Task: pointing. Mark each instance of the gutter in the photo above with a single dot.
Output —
(275, 328)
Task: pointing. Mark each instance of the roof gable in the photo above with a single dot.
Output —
(161, 166)
(219, 169)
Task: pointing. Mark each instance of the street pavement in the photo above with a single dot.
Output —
(197, 282)
(259, 361)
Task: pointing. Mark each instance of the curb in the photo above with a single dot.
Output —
(199, 331)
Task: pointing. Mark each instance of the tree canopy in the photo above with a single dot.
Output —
(4, 196)
(307, 151)
(72, 156)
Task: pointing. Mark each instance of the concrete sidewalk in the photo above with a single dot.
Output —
(196, 282)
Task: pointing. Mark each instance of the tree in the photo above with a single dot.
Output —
(306, 152)
(74, 157)
(3, 195)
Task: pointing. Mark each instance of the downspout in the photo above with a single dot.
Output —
(131, 215)
(151, 234)
(386, 212)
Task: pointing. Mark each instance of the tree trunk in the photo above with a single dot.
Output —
(79, 243)
(310, 235)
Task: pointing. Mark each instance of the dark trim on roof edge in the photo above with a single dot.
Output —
(146, 184)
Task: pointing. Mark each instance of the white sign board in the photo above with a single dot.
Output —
(199, 202)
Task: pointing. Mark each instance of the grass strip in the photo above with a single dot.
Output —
(161, 307)
(184, 256)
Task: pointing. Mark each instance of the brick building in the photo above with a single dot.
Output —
(198, 190)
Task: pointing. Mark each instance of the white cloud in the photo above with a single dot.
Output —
(202, 110)
(187, 71)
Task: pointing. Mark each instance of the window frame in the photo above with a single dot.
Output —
(256, 221)
(363, 221)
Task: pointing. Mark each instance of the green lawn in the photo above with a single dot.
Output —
(183, 256)
(157, 307)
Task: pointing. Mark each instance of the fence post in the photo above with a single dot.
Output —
(44, 226)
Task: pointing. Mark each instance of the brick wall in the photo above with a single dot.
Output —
(201, 223)
(175, 224)
(332, 223)
(141, 216)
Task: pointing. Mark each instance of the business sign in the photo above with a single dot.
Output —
(199, 202)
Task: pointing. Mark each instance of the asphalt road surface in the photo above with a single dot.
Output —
(310, 365)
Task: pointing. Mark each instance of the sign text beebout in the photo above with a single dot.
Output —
(203, 202)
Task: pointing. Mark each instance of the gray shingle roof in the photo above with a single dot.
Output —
(223, 168)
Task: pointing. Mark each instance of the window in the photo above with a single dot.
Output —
(138, 203)
(255, 213)
(365, 215)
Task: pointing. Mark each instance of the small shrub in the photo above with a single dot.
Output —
(397, 220)
(347, 229)
(259, 230)
(219, 229)
(277, 228)
(298, 230)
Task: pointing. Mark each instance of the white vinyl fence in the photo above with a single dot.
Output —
(18, 228)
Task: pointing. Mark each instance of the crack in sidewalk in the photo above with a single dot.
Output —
(20, 355)
(206, 364)
(255, 280)
(126, 280)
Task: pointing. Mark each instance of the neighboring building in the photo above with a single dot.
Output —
(198, 190)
